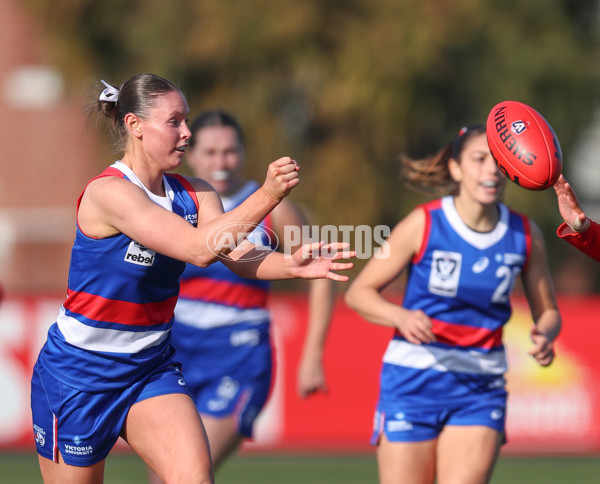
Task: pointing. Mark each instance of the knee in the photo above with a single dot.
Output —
(188, 474)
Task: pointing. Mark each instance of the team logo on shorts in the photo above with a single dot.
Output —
(40, 435)
(496, 414)
(228, 388)
(224, 394)
(445, 273)
(400, 424)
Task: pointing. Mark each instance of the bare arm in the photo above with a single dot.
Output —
(111, 205)
(321, 294)
(542, 301)
(364, 294)
(311, 374)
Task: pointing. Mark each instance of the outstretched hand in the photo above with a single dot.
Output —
(318, 261)
(569, 207)
(282, 176)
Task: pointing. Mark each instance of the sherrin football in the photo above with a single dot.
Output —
(524, 145)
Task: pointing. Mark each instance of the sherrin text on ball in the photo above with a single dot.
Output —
(524, 145)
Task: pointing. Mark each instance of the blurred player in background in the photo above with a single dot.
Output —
(577, 229)
(222, 322)
(442, 403)
(107, 368)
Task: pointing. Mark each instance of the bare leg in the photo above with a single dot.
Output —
(223, 437)
(467, 454)
(167, 433)
(406, 462)
(61, 473)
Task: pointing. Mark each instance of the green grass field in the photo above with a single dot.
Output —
(125, 468)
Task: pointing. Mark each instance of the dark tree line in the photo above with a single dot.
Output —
(346, 85)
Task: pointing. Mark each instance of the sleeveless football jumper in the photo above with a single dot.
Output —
(115, 324)
(462, 280)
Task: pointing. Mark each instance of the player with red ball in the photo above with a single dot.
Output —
(442, 402)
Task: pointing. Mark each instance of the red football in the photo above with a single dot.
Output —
(524, 145)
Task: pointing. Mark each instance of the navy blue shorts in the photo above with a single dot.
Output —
(84, 426)
(244, 399)
(414, 425)
(227, 379)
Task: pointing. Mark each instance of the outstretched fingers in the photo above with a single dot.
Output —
(336, 250)
(324, 256)
(337, 277)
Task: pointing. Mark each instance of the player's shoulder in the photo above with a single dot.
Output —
(198, 184)
(107, 188)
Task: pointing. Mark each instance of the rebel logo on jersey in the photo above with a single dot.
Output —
(138, 254)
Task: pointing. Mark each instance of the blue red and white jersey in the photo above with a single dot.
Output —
(115, 323)
(462, 280)
(214, 296)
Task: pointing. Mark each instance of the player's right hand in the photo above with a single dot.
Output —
(416, 328)
(282, 176)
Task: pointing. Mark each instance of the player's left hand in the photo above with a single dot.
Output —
(543, 349)
(318, 261)
(311, 377)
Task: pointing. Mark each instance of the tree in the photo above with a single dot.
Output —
(345, 85)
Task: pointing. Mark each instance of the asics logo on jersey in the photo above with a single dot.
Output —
(140, 255)
(480, 265)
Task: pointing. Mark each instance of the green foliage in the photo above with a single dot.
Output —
(345, 85)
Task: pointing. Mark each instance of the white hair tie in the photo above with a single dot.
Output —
(110, 93)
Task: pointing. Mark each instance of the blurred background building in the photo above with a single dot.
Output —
(47, 156)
